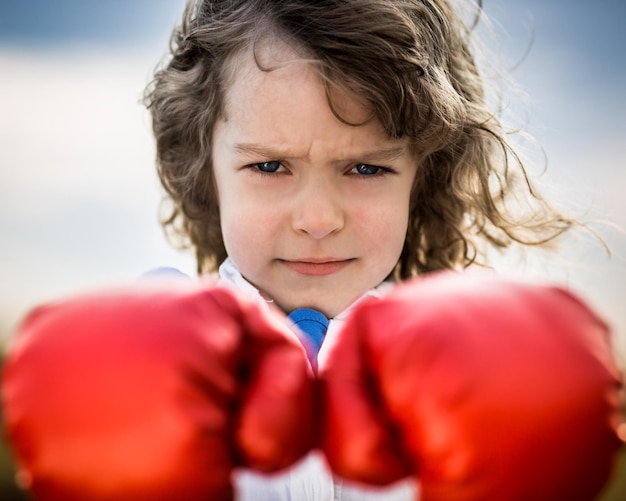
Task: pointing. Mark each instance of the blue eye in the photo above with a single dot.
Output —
(367, 170)
(268, 167)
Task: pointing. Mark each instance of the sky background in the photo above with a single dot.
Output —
(78, 188)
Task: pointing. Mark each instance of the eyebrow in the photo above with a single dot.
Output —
(379, 155)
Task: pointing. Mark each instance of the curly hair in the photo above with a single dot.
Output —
(411, 61)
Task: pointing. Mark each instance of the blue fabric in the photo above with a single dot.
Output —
(313, 325)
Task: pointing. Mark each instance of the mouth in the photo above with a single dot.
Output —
(317, 267)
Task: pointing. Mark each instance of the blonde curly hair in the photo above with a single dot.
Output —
(411, 61)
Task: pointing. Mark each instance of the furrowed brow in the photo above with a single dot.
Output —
(379, 155)
(260, 150)
(382, 155)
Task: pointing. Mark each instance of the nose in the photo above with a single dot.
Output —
(318, 209)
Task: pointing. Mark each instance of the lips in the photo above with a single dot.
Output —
(317, 267)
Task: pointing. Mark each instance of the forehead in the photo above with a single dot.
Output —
(277, 92)
(274, 71)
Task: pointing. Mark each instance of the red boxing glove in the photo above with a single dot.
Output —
(154, 395)
(481, 388)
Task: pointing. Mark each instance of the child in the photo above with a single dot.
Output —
(401, 70)
(316, 152)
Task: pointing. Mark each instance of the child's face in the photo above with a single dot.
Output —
(314, 212)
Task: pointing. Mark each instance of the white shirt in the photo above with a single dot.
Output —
(310, 479)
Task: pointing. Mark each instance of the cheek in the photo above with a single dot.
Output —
(383, 228)
(236, 228)
(248, 229)
(231, 217)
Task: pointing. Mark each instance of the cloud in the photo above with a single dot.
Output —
(78, 188)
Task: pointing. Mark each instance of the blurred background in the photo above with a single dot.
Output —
(79, 192)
